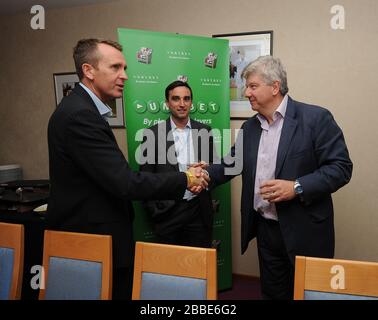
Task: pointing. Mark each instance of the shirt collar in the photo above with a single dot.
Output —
(101, 107)
(174, 127)
(281, 108)
(280, 111)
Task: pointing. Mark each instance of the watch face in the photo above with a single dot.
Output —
(298, 189)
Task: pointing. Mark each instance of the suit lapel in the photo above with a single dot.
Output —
(196, 141)
(170, 144)
(288, 129)
(252, 146)
(79, 90)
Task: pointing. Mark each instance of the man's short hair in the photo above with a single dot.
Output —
(176, 84)
(86, 51)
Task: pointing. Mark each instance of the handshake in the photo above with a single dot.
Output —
(198, 177)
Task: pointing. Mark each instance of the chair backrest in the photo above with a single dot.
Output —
(11, 260)
(170, 272)
(77, 266)
(335, 279)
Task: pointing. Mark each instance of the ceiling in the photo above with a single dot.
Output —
(11, 7)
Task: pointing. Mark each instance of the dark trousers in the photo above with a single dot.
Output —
(122, 283)
(184, 226)
(276, 268)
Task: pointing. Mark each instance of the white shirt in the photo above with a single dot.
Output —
(267, 158)
(103, 108)
(184, 150)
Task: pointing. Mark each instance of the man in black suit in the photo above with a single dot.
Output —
(292, 156)
(171, 146)
(91, 182)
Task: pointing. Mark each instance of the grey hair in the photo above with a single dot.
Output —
(270, 69)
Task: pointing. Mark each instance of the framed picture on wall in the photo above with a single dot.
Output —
(244, 48)
(64, 84)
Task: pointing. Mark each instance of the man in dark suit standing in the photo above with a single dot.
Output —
(175, 144)
(292, 157)
(91, 182)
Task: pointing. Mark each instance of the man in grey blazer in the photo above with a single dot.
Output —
(294, 157)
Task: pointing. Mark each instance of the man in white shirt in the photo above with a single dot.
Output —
(178, 142)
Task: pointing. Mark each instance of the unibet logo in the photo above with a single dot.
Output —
(152, 106)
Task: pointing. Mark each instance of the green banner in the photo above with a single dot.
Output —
(154, 60)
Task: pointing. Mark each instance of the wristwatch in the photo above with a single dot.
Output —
(298, 189)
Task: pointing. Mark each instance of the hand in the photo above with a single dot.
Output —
(198, 189)
(201, 164)
(277, 190)
(201, 180)
(197, 179)
(195, 190)
(200, 172)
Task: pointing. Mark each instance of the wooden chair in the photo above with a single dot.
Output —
(11, 260)
(77, 266)
(170, 272)
(334, 279)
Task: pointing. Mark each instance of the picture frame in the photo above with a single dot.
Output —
(244, 48)
(65, 82)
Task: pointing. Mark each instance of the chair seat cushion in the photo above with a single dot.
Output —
(318, 295)
(166, 287)
(73, 279)
(6, 272)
